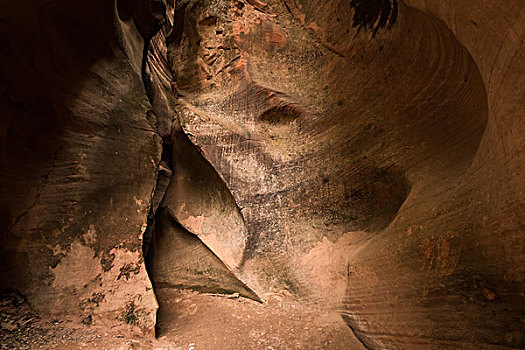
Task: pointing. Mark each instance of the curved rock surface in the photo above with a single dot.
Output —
(358, 158)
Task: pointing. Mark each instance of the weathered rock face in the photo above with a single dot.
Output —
(360, 156)
(361, 147)
(79, 160)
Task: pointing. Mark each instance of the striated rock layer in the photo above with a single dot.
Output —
(79, 159)
(361, 157)
(374, 172)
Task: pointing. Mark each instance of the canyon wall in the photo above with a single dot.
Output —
(359, 157)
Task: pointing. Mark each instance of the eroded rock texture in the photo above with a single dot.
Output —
(79, 158)
(361, 158)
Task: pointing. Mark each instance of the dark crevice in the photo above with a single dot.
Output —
(146, 78)
(149, 27)
(356, 334)
(164, 173)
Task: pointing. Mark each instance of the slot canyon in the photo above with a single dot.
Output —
(262, 174)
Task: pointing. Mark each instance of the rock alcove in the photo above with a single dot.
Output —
(286, 174)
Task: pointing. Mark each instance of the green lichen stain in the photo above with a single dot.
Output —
(129, 316)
